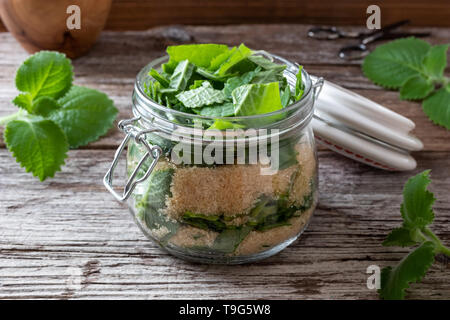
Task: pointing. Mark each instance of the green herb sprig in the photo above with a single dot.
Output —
(417, 214)
(53, 115)
(415, 68)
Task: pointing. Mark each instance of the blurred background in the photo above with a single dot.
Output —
(144, 14)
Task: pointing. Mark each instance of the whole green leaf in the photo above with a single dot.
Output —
(85, 115)
(46, 73)
(202, 96)
(181, 75)
(254, 99)
(39, 145)
(437, 107)
(391, 64)
(222, 110)
(416, 87)
(436, 60)
(399, 237)
(417, 202)
(394, 281)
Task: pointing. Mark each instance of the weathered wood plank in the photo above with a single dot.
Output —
(143, 14)
(70, 225)
(113, 63)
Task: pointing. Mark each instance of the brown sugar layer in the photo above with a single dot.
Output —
(233, 189)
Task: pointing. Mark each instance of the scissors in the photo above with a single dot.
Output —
(360, 49)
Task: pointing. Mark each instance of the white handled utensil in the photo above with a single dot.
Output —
(363, 130)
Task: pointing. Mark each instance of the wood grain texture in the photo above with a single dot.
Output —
(143, 14)
(68, 226)
(68, 238)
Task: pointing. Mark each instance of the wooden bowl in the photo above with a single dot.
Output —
(42, 24)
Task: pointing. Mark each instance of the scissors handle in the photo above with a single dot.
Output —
(331, 33)
(353, 52)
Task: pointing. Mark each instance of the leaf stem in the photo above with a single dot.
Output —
(10, 117)
(441, 248)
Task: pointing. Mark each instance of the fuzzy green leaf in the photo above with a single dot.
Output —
(436, 60)
(268, 76)
(254, 99)
(43, 106)
(417, 202)
(181, 75)
(202, 96)
(227, 241)
(46, 73)
(197, 54)
(24, 101)
(222, 110)
(160, 78)
(266, 64)
(399, 237)
(416, 87)
(85, 115)
(286, 96)
(391, 64)
(39, 145)
(437, 107)
(234, 82)
(394, 281)
(238, 56)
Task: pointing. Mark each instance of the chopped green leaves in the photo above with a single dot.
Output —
(417, 214)
(232, 63)
(53, 115)
(299, 86)
(197, 54)
(202, 96)
(181, 75)
(253, 99)
(216, 81)
(415, 68)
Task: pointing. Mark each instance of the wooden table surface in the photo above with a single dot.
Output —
(68, 238)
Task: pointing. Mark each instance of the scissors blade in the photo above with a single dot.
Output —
(406, 34)
(383, 31)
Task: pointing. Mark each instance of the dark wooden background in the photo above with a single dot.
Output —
(143, 14)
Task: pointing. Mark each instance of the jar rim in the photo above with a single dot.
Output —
(291, 68)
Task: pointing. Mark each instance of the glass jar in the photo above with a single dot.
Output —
(235, 195)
